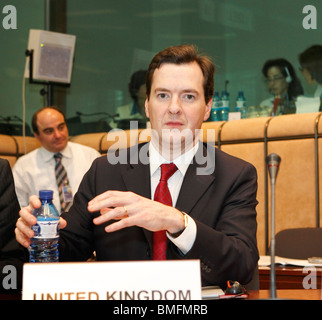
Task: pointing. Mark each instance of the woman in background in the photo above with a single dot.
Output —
(284, 86)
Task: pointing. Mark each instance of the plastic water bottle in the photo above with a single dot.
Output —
(241, 104)
(216, 108)
(225, 106)
(44, 244)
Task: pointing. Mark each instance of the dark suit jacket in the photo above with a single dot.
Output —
(222, 202)
(9, 206)
(11, 253)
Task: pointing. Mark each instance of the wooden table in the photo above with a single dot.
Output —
(296, 294)
(291, 277)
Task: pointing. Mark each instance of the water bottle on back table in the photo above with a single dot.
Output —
(44, 244)
(215, 114)
(241, 104)
(225, 105)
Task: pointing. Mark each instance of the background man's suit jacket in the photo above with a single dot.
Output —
(221, 202)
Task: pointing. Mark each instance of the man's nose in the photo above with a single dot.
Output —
(57, 133)
(175, 105)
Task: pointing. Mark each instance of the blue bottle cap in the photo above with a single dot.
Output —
(46, 194)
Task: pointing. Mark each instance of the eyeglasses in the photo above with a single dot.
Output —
(268, 80)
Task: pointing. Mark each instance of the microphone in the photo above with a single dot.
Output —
(273, 163)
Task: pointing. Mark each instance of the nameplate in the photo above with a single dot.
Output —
(139, 280)
(234, 116)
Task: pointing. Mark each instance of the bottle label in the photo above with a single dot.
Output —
(46, 229)
(240, 104)
(225, 103)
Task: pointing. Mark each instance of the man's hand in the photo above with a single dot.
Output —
(133, 210)
(23, 226)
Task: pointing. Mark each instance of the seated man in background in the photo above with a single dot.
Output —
(58, 165)
(311, 67)
(207, 211)
(12, 254)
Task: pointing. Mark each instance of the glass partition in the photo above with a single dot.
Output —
(114, 39)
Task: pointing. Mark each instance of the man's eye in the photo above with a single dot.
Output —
(189, 97)
(48, 131)
(162, 95)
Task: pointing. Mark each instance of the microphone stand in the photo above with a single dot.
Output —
(273, 161)
(272, 245)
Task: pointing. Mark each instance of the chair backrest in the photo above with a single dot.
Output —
(26, 144)
(119, 139)
(210, 132)
(8, 149)
(92, 140)
(299, 243)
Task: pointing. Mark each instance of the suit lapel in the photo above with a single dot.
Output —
(199, 176)
(137, 179)
(137, 174)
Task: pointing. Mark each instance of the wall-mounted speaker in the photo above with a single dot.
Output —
(52, 56)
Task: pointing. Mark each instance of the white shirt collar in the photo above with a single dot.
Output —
(182, 162)
(48, 155)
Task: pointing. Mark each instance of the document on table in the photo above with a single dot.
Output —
(211, 292)
(307, 104)
(265, 261)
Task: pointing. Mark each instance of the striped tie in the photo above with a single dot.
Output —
(62, 180)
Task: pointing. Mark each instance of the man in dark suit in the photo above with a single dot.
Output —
(12, 255)
(212, 216)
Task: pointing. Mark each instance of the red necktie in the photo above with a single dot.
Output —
(275, 104)
(162, 194)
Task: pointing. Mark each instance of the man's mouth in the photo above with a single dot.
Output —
(174, 124)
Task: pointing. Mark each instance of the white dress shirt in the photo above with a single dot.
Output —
(318, 91)
(186, 239)
(36, 171)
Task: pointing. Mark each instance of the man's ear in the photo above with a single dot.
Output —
(146, 106)
(37, 136)
(207, 110)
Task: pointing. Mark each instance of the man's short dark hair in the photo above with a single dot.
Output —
(183, 54)
(311, 59)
